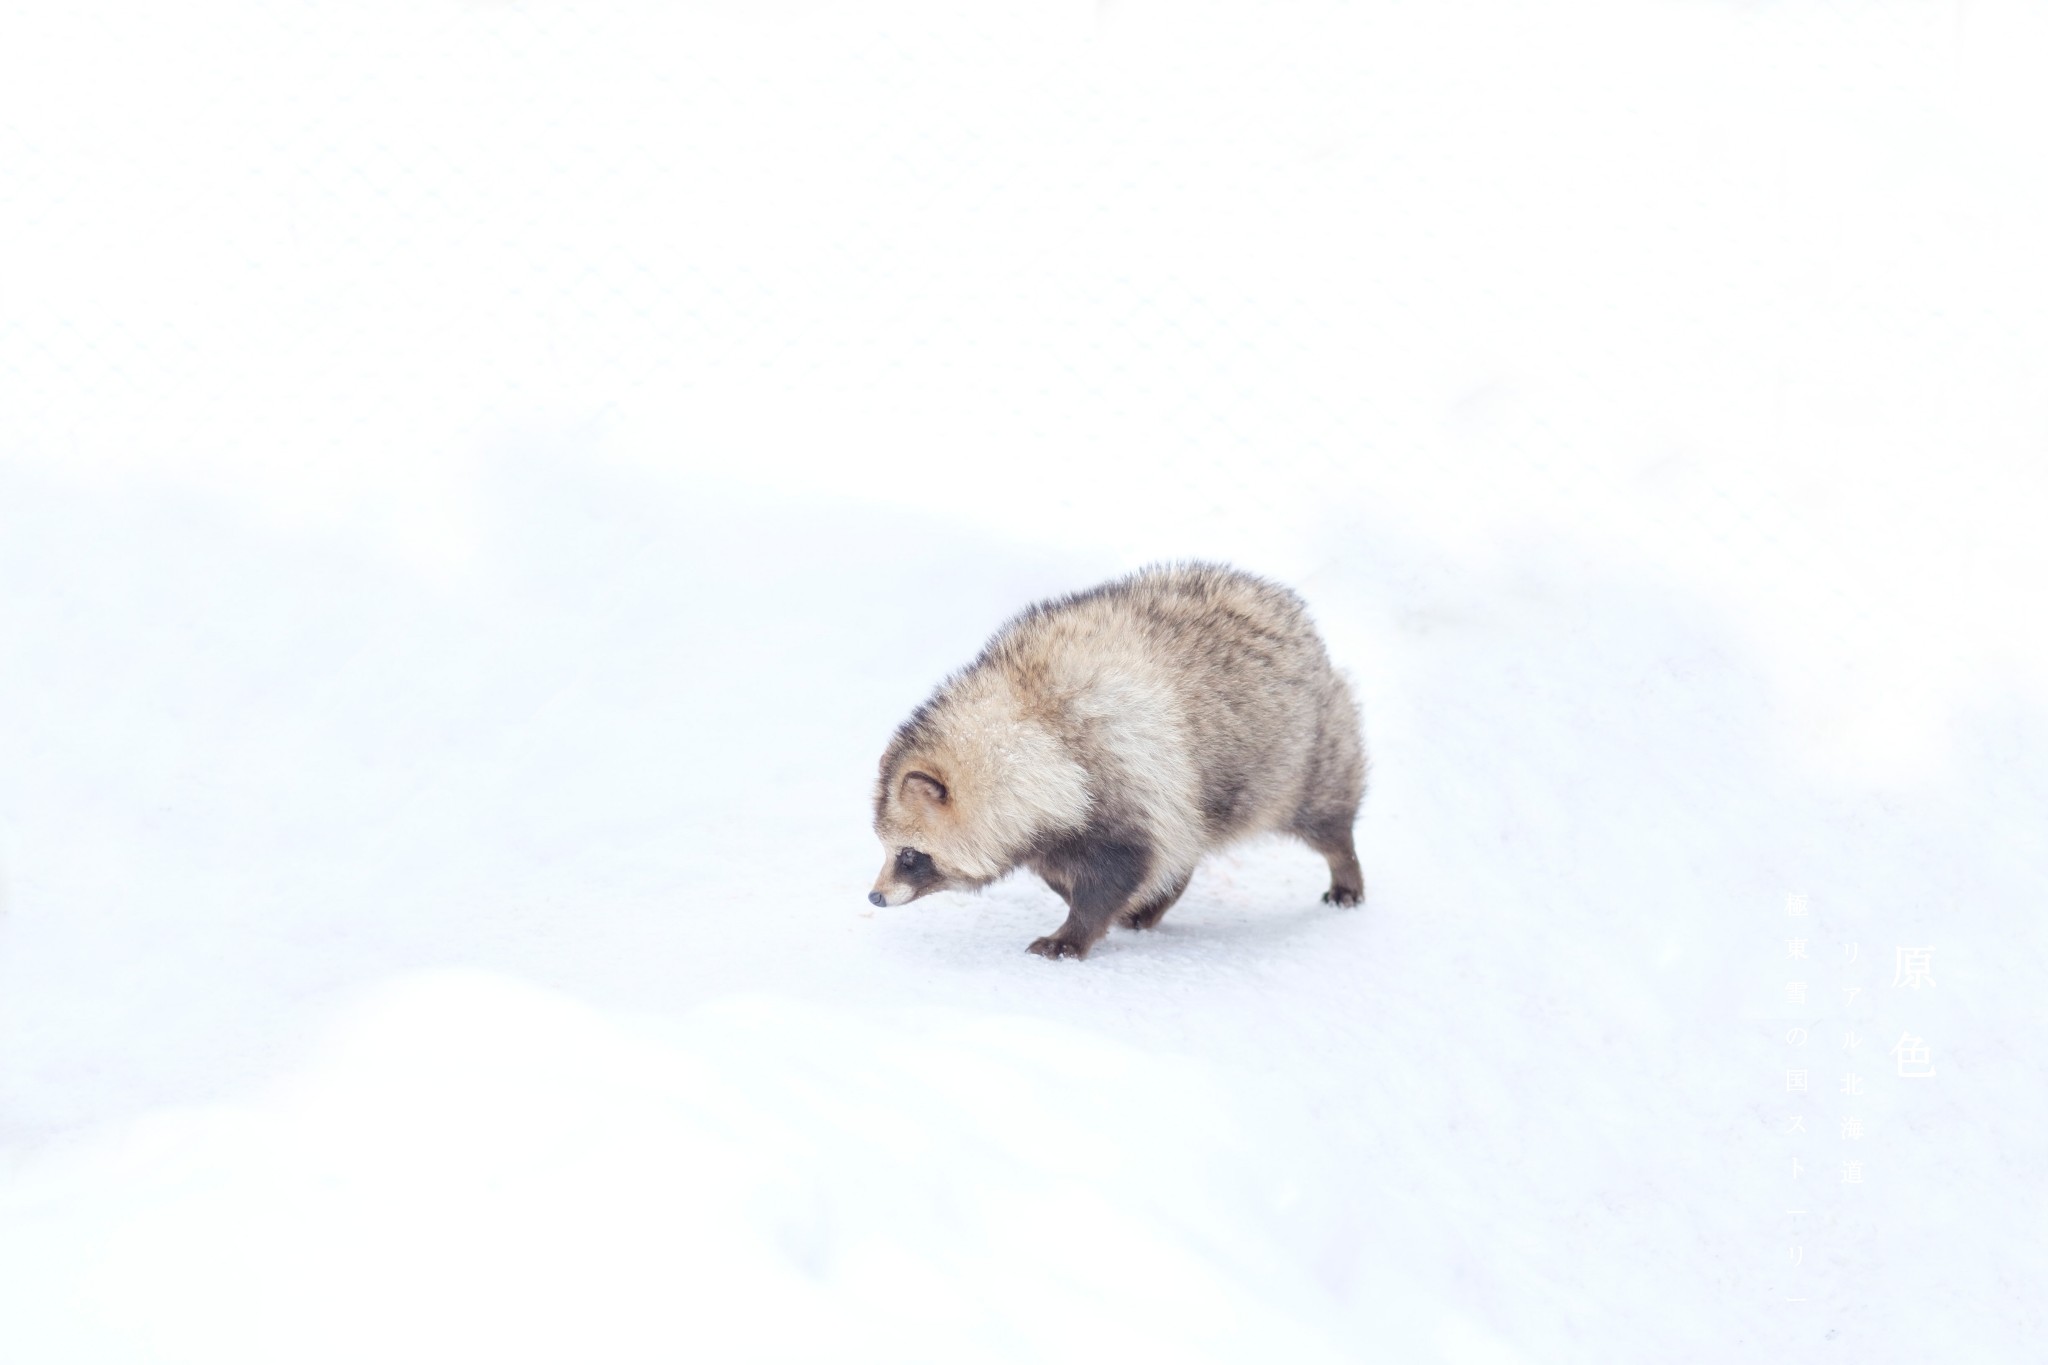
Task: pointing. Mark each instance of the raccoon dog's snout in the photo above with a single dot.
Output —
(876, 898)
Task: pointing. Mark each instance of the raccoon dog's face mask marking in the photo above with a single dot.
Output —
(910, 873)
(915, 816)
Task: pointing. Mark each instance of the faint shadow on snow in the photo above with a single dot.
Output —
(1257, 902)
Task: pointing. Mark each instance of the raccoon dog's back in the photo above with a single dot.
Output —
(1108, 739)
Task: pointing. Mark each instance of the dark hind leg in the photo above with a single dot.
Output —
(1330, 797)
(1331, 837)
(1148, 915)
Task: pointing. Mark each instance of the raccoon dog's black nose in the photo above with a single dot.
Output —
(877, 898)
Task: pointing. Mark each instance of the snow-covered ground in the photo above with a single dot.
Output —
(479, 483)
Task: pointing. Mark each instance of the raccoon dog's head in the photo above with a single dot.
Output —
(917, 822)
(966, 786)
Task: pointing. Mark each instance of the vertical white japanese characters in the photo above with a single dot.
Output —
(1914, 970)
(1826, 1164)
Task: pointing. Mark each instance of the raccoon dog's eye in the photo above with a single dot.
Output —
(907, 859)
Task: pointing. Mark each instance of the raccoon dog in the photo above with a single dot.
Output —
(1108, 739)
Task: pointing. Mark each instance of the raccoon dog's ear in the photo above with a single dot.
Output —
(924, 789)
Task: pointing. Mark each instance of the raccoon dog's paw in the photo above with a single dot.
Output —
(1052, 945)
(1343, 895)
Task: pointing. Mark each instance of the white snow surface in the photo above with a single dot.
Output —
(479, 484)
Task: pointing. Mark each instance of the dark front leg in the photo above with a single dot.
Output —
(1097, 873)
